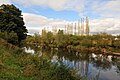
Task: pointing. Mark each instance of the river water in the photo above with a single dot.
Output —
(89, 65)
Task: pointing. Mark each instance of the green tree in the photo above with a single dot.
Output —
(60, 39)
(11, 20)
(10, 37)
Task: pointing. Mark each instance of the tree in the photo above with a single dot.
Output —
(11, 20)
(60, 39)
(10, 37)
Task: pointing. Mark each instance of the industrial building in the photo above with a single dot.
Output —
(81, 27)
(78, 28)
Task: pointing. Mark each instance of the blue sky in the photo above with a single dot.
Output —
(68, 15)
(104, 15)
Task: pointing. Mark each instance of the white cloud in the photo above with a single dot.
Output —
(4, 2)
(57, 5)
(35, 23)
(33, 19)
(110, 8)
(109, 25)
(107, 8)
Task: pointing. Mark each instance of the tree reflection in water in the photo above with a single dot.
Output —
(84, 63)
(101, 62)
(117, 64)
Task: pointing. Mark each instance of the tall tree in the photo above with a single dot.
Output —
(11, 20)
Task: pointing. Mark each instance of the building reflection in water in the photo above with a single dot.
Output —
(91, 66)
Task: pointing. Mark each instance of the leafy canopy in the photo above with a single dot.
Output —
(11, 20)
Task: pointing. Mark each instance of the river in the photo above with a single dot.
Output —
(89, 65)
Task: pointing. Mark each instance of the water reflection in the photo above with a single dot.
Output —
(29, 50)
(90, 65)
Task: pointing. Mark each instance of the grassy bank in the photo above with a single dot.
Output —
(15, 64)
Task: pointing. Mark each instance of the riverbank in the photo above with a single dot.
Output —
(98, 43)
(15, 64)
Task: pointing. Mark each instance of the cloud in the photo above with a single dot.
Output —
(107, 12)
(108, 25)
(57, 5)
(35, 23)
(4, 2)
(34, 20)
(108, 8)
(100, 8)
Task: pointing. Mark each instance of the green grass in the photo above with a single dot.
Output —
(15, 64)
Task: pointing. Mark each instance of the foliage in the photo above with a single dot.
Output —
(73, 42)
(15, 64)
(11, 20)
(10, 37)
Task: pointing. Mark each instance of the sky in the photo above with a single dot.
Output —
(104, 15)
